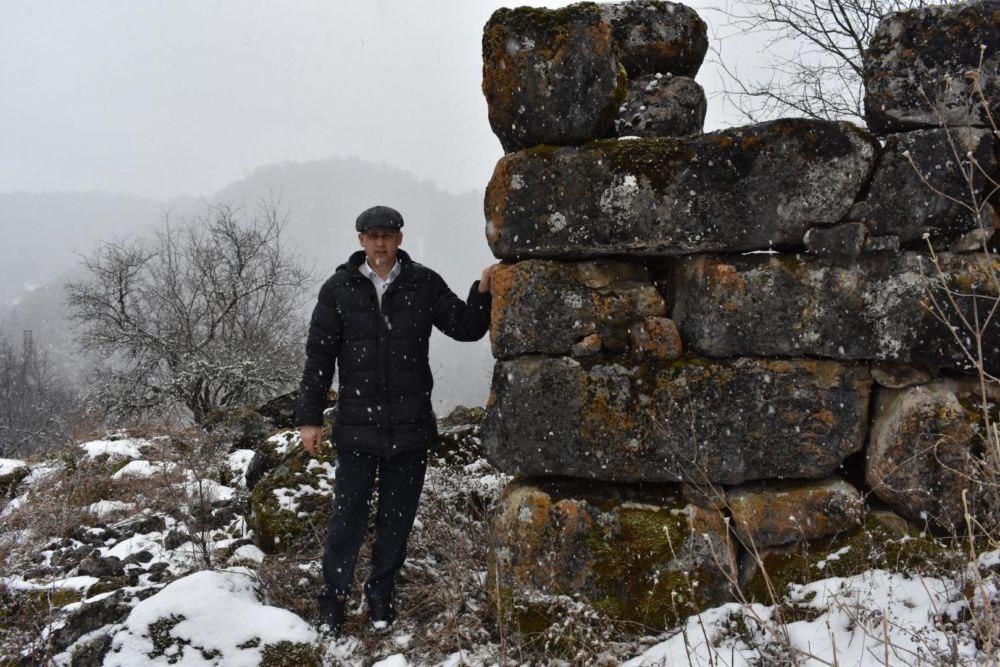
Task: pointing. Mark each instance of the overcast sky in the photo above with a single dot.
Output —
(165, 98)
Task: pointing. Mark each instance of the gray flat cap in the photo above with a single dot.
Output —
(379, 216)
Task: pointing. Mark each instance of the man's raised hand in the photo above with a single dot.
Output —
(312, 438)
(484, 281)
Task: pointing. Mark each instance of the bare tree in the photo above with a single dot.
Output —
(35, 402)
(204, 316)
(812, 52)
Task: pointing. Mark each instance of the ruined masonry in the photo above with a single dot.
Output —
(711, 345)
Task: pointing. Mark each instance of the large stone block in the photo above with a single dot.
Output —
(645, 556)
(901, 203)
(654, 36)
(658, 106)
(791, 305)
(551, 76)
(933, 49)
(740, 189)
(722, 422)
(927, 449)
(544, 307)
(766, 515)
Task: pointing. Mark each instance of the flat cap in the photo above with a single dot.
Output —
(379, 216)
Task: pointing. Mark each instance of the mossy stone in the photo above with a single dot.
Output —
(277, 528)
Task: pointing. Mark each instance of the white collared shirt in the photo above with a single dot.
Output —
(380, 285)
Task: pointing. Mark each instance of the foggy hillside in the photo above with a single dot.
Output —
(322, 198)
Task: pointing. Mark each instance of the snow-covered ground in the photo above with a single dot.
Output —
(128, 576)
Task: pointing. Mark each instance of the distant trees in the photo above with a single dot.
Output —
(204, 316)
(812, 54)
(35, 402)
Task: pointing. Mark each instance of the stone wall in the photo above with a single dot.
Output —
(722, 338)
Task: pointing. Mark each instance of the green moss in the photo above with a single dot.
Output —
(656, 159)
(606, 119)
(524, 19)
(629, 568)
(872, 546)
(105, 586)
(290, 654)
(277, 529)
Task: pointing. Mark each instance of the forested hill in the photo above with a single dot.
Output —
(43, 231)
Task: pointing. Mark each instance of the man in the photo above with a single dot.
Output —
(373, 319)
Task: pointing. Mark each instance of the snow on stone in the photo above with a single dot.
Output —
(8, 466)
(209, 489)
(104, 508)
(247, 553)
(217, 614)
(143, 468)
(282, 441)
(397, 660)
(847, 619)
(239, 461)
(80, 583)
(127, 448)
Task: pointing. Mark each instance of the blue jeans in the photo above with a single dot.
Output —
(400, 481)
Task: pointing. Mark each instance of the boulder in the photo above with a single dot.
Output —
(241, 426)
(551, 75)
(546, 307)
(661, 106)
(790, 305)
(744, 188)
(90, 615)
(291, 502)
(933, 49)
(280, 410)
(902, 202)
(654, 36)
(645, 556)
(724, 422)
(927, 449)
(765, 515)
(459, 442)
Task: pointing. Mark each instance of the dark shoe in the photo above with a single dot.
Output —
(381, 614)
(332, 614)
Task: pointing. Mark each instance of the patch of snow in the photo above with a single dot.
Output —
(239, 461)
(143, 468)
(247, 553)
(80, 583)
(859, 619)
(104, 508)
(217, 613)
(8, 466)
(127, 448)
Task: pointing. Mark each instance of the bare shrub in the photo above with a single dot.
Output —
(812, 52)
(205, 316)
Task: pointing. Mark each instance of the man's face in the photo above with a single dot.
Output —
(380, 246)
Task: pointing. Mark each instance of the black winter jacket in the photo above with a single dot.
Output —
(385, 376)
